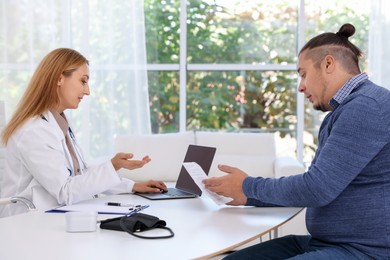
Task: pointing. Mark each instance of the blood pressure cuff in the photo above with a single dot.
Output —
(136, 223)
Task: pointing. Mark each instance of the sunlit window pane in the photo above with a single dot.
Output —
(162, 31)
(164, 101)
(329, 16)
(242, 31)
(262, 100)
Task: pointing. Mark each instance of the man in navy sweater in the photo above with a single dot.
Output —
(347, 187)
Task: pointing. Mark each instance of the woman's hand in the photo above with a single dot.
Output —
(122, 160)
(150, 186)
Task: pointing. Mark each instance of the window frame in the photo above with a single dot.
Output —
(184, 68)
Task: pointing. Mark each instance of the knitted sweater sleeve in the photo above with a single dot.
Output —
(349, 139)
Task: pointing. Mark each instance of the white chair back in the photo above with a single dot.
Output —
(2, 148)
(9, 200)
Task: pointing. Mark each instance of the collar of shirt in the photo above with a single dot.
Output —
(345, 90)
(61, 121)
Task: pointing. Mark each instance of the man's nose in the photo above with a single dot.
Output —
(301, 87)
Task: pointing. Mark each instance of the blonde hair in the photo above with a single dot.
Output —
(41, 93)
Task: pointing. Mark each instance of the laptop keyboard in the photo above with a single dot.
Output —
(176, 193)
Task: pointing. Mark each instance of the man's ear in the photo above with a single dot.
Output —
(329, 63)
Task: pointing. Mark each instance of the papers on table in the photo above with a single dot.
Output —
(96, 206)
(197, 174)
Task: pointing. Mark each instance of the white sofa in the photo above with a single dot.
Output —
(252, 152)
(255, 153)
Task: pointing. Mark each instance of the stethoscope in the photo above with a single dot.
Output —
(76, 148)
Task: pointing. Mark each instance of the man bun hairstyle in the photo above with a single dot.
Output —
(336, 44)
(346, 31)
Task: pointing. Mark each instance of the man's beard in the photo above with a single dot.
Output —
(321, 107)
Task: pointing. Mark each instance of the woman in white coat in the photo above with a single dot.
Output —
(43, 162)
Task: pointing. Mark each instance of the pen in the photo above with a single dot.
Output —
(118, 204)
(137, 209)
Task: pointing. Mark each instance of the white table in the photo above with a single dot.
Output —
(202, 230)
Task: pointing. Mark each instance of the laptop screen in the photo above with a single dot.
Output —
(203, 156)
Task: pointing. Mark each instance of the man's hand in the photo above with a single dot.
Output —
(122, 160)
(229, 185)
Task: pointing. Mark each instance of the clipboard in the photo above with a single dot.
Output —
(90, 205)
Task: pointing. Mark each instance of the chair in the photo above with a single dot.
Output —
(2, 148)
(28, 203)
(4, 201)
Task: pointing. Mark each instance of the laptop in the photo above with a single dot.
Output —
(185, 186)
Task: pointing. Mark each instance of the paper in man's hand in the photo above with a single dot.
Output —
(198, 175)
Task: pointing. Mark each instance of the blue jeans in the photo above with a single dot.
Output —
(299, 248)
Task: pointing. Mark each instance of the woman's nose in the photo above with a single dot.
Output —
(86, 90)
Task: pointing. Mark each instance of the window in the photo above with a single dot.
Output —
(215, 65)
(239, 59)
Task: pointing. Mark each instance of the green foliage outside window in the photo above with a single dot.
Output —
(236, 100)
(261, 32)
(221, 100)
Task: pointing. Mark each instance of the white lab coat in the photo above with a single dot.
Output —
(39, 167)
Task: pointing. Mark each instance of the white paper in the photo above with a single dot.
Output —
(198, 175)
(93, 205)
